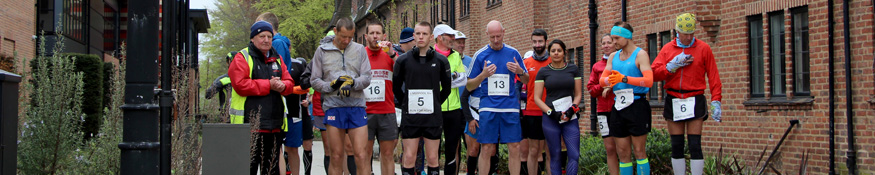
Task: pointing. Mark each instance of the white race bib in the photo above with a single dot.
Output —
(562, 104)
(625, 97)
(398, 116)
(683, 108)
(420, 101)
(499, 85)
(603, 125)
(376, 92)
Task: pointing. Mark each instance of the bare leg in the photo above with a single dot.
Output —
(611, 150)
(486, 152)
(359, 138)
(513, 150)
(336, 135)
(294, 160)
(387, 160)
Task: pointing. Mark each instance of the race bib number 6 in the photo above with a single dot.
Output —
(499, 85)
(683, 108)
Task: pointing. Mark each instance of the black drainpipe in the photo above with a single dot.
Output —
(623, 10)
(831, 57)
(849, 108)
(593, 33)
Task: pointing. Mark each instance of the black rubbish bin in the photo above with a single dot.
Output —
(8, 121)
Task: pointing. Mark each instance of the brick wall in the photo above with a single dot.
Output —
(748, 128)
(17, 30)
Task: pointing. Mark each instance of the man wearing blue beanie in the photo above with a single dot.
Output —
(260, 80)
(405, 42)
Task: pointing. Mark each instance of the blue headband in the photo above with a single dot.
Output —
(622, 32)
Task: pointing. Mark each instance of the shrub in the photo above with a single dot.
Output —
(50, 132)
(593, 159)
(92, 71)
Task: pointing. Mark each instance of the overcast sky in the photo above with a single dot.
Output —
(202, 4)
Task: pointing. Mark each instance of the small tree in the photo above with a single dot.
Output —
(50, 133)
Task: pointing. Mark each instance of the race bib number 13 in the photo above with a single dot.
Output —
(499, 85)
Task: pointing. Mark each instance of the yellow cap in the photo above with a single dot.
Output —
(686, 23)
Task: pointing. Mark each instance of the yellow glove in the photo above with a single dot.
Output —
(346, 87)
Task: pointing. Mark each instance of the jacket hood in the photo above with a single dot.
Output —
(326, 40)
(284, 39)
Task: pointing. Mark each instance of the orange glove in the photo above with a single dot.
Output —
(615, 77)
(299, 91)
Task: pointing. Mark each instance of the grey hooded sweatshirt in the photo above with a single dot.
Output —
(329, 63)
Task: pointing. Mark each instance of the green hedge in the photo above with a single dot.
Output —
(92, 68)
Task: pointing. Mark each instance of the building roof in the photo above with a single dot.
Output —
(201, 20)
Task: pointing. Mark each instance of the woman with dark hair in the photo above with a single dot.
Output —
(628, 73)
(605, 99)
(562, 81)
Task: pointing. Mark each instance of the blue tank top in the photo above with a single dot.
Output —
(628, 68)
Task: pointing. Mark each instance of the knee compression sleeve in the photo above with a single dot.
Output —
(677, 146)
(695, 146)
(350, 164)
(472, 165)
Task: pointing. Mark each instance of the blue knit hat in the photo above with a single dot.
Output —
(406, 35)
(258, 27)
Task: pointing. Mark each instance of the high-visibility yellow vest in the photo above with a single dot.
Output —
(237, 101)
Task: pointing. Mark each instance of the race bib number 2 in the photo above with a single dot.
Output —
(624, 98)
(420, 101)
(499, 85)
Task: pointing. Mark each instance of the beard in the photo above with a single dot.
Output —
(538, 50)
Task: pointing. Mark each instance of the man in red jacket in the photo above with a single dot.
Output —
(260, 80)
(684, 64)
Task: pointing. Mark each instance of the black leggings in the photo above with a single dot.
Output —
(454, 127)
(266, 153)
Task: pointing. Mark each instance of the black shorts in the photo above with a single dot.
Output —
(413, 132)
(532, 128)
(633, 120)
(307, 126)
(701, 110)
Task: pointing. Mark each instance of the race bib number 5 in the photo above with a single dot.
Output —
(603, 125)
(420, 101)
(683, 108)
(499, 85)
(624, 98)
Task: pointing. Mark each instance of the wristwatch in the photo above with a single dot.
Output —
(549, 112)
(625, 79)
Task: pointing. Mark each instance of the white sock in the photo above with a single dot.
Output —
(696, 166)
(679, 166)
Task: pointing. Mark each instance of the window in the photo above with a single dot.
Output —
(435, 8)
(569, 55)
(652, 51)
(756, 63)
(801, 77)
(465, 7)
(777, 53)
(491, 3)
(665, 37)
(74, 20)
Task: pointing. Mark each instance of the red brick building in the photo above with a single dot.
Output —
(772, 56)
(17, 32)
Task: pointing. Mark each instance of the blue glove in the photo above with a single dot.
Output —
(716, 110)
(678, 62)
